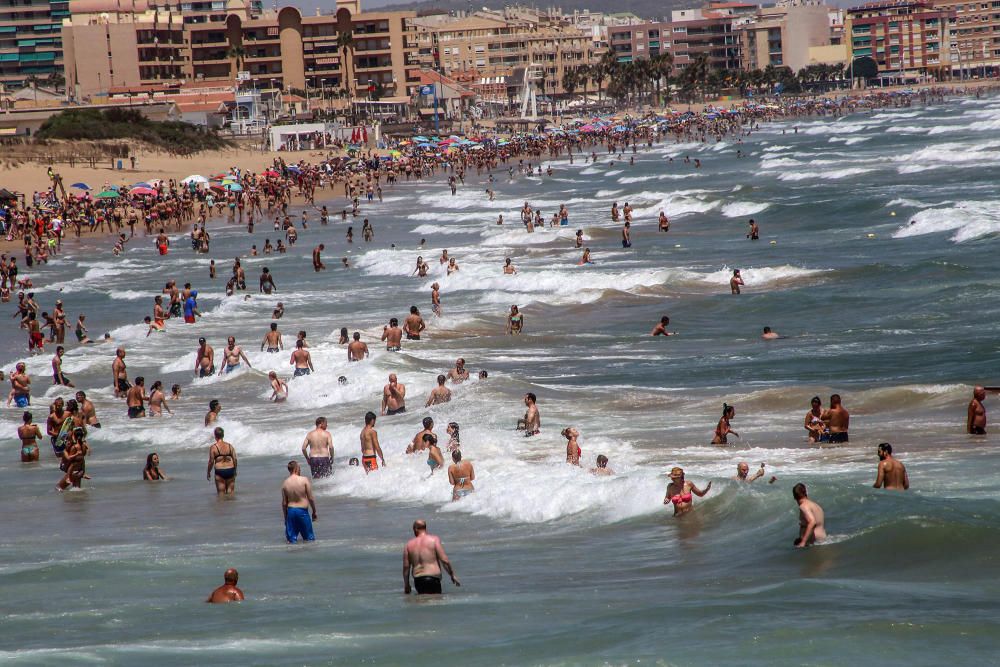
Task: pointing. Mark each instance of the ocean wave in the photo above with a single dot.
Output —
(832, 174)
(740, 209)
(968, 220)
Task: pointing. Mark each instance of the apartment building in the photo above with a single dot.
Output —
(973, 37)
(783, 35)
(639, 40)
(496, 43)
(710, 31)
(30, 40)
(267, 49)
(908, 39)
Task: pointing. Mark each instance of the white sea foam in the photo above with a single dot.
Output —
(740, 209)
(832, 174)
(968, 220)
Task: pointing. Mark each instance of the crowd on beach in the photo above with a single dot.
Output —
(240, 197)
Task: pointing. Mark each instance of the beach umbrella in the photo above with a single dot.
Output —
(216, 188)
(234, 187)
(195, 178)
(142, 190)
(108, 194)
(420, 138)
(271, 172)
(80, 186)
(294, 168)
(218, 177)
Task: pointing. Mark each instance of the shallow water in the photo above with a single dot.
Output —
(559, 567)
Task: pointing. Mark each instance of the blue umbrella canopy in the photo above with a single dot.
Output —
(80, 186)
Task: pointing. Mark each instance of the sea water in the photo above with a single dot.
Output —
(559, 567)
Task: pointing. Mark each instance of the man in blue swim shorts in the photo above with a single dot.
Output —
(296, 502)
(20, 385)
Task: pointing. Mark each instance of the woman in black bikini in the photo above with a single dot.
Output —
(222, 457)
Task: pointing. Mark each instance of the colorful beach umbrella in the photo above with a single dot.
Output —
(80, 186)
(108, 194)
(142, 191)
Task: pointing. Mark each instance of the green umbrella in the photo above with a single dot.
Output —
(108, 194)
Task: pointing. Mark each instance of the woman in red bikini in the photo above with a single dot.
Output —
(681, 493)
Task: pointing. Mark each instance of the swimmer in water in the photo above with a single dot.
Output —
(891, 473)
(743, 473)
(679, 492)
(722, 430)
(461, 474)
(812, 526)
(435, 459)
(279, 388)
(770, 335)
(661, 328)
(573, 452)
(602, 469)
(735, 282)
(586, 257)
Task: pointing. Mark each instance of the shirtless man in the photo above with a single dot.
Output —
(439, 394)
(356, 350)
(418, 443)
(754, 233)
(301, 359)
(393, 397)
(393, 336)
(228, 592)
(661, 328)
(424, 557)
(369, 445)
(57, 373)
(317, 449)
(743, 474)
(272, 340)
(318, 264)
(735, 282)
(837, 420)
(87, 410)
(436, 299)
(135, 397)
(811, 519)
(458, 374)
(232, 355)
(119, 375)
(770, 335)
(532, 421)
(296, 501)
(29, 434)
(976, 422)
(891, 473)
(204, 361)
(413, 324)
(20, 386)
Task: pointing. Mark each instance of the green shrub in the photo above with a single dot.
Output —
(126, 123)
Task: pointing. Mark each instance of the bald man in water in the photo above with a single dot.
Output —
(228, 592)
(424, 557)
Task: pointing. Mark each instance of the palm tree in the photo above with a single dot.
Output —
(583, 77)
(662, 65)
(345, 43)
(237, 53)
(607, 66)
